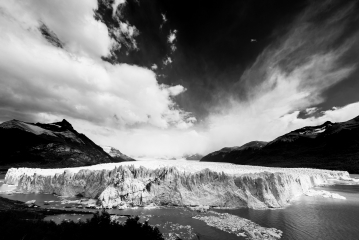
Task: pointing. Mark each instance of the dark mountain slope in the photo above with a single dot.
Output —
(116, 154)
(328, 146)
(48, 145)
(228, 153)
(193, 156)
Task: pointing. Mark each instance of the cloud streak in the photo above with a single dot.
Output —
(289, 76)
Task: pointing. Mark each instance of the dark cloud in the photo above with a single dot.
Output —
(50, 36)
(152, 41)
(214, 44)
(214, 47)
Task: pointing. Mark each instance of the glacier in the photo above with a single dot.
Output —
(174, 183)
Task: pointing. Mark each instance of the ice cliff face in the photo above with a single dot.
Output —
(118, 185)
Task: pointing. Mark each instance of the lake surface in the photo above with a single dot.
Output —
(305, 218)
(313, 217)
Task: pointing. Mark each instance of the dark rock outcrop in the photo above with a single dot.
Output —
(332, 146)
(48, 145)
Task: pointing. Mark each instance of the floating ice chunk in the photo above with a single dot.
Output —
(349, 179)
(30, 202)
(66, 201)
(151, 206)
(324, 194)
(7, 188)
(240, 226)
(345, 178)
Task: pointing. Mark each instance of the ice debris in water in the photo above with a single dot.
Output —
(239, 226)
(324, 194)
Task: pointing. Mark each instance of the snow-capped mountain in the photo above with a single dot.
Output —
(164, 157)
(193, 157)
(48, 145)
(329, 146)
(115, 153)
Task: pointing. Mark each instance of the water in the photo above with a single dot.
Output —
(313, 217)
(181, 216)
(166, 219)
(306, 218)
(2, 175)
(69, 217)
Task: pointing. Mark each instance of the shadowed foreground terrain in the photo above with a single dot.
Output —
(17, 221)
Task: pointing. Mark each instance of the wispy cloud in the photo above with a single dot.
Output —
(164, 19)
(154, 67)
(122, 33)
(167, 60)
(289, 76)
(116, 4)
(126, 34)
(310, 111)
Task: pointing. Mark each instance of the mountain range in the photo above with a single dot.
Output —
(193, 156)
(333, 146)
(50, 145)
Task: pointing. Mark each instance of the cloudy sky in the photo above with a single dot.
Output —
(174, 77)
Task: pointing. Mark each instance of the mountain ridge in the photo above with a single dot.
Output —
(48, 145)
(115, 153)
(333, 146)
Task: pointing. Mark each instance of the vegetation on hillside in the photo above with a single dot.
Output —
(18, 225)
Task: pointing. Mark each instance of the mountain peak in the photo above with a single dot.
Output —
(65, 124)
(10, 121)
(48, 145)
(14, 123)
(115, 153)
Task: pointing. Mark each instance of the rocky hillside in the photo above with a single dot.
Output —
(48, 145)
(116, 154)
(328, 146)
(193, 157)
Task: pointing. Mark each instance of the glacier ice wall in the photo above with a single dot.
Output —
(133, 185)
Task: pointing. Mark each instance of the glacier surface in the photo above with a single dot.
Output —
(177, 183)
